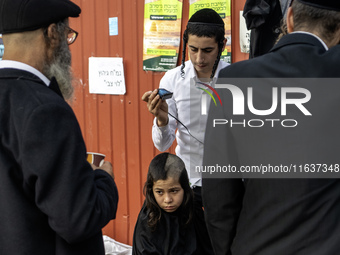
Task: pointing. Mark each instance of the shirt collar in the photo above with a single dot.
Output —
(193, 73)
(24, 67)
(317, 37)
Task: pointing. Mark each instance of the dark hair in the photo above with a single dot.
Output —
(283, 29)
(307, 17)
(205, 23)
(161, 167)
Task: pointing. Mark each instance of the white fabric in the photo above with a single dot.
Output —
(112, 247)
(181, 106)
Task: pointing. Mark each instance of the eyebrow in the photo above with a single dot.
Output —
(207, 48)
(174, 187)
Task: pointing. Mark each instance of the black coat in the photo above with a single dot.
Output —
(51, 201)
(285, 215)
(295, 55)
(263, 18)
(170, 237)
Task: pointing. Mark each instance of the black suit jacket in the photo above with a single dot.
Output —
(51, 201)
(263, 216)
(295, 55)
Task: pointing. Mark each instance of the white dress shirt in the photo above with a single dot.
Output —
(185, 105)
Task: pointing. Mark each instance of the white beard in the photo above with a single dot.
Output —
(60, 68)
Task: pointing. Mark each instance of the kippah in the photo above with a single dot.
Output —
(323, 4)
(28, 15)
(205, 23)
(206, 16)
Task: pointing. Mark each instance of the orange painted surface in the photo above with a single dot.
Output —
(120, 125)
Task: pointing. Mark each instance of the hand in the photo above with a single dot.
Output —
(157, 106)
(106, 166)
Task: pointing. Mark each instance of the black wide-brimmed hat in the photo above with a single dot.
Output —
(28, 15)
(323, 4)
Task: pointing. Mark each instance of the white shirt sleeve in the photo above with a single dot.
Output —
(163, 137)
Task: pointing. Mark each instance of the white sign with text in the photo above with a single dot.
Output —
(106, 76)
(244, 35)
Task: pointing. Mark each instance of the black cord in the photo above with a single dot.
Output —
(185, 128)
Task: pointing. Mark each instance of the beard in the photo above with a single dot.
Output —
(60, 68)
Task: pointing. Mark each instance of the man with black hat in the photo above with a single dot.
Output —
(180, 117)
(278, 143)
(52, 202)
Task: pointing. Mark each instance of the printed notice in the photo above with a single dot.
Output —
(113, 26)
(244, 35)
(162, 34)
(106, 76)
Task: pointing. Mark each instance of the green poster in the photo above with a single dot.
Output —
(162, 34)
(222, 7)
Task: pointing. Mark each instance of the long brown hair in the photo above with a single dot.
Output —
(161, 167)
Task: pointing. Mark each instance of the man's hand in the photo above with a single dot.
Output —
(106, 166)
(157, 106)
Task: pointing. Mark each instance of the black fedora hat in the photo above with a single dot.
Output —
(29, 15)
(323, 4)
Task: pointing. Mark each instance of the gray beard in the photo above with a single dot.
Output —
(60, 68)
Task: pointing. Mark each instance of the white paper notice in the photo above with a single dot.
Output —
(106, 76)
(244, 35)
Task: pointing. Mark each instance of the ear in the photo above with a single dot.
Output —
(290, 20)
(336, 39)
(224, 44)
(52, 35)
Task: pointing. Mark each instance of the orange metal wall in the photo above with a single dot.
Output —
(120, 126)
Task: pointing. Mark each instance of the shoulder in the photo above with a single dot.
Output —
(177, 71)
(223, 64)
(34, 102)
(29, 92)
(174, 76)
(238, 69)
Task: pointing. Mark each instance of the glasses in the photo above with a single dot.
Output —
(71, 35)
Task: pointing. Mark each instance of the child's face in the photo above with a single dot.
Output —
(168, 194)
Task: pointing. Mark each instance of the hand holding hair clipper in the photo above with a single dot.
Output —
(164, 94)
(157, 105)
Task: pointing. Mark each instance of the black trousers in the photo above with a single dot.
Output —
(203, 240)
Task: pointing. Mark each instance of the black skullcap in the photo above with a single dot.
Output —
(323, 4)
(206, 16)
(29, 15)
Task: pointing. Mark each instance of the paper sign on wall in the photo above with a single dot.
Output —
(244, 35)
(162, 34)
(106, 76)
(113, 26)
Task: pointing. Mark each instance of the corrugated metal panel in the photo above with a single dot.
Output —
(120, 126)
